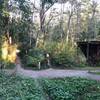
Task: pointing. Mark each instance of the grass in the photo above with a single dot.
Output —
(87, 68)
(95, 72)
(17, 88)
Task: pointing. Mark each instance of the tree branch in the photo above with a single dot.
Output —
(51, 6)
(51, 19)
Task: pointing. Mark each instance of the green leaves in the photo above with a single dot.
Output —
(19, 89)
(71, 89)
(16, 88)
(34, 56)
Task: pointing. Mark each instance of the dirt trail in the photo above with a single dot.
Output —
(53, 73)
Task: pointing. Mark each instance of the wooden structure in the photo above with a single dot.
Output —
(91, 50)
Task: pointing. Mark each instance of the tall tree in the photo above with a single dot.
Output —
(45, 5)
(70, 14)
(92, 20)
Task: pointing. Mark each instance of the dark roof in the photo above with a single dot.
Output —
(88, 42)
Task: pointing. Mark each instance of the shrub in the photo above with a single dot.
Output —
(34, 57)
(65, 59)
(62, 59)
(60, 55)
(6, 65)
(51, 47)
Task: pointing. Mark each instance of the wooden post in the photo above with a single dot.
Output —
(48, 60)
(39, 65)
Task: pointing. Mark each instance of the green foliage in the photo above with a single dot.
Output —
(65, 55)
(72, 89)
(16, 88)
(23, 29)
(0, 54)
(48, 1)
(83, 36)
(6, 65)
(4, 14)
(98, 28)
(20, 28)
(34, 57)
(3, 8)
(63, 59)
(51, 47)
(58, 33)
(9, 65)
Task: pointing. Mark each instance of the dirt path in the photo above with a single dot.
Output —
(55, 73)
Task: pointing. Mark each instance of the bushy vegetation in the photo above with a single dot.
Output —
(16, 88)
(64, 55)
(60, 55)
(72, 89)
(33, 57)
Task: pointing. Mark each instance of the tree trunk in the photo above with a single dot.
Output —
(42, 21)
(68, 28)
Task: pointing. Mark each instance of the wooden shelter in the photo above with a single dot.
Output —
(91, 50)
